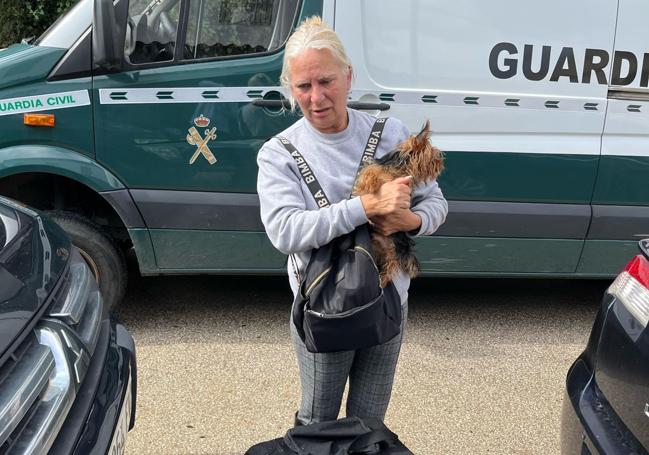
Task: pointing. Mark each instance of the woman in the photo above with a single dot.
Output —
(317, 74)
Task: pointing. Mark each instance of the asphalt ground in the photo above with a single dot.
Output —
(481, 371)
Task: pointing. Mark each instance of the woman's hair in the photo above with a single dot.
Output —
(312, 34)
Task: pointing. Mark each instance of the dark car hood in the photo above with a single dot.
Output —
(33, 256)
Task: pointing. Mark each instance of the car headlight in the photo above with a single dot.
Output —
(39, 384)
(81, 307)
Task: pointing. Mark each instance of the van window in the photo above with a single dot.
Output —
(151, 31)
(220, 28)
(67, 29)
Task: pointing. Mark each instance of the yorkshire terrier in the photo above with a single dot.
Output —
(414, 157)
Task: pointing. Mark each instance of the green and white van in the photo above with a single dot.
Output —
(137, 125)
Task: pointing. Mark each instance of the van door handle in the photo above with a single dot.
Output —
(363, 106)
(271, 103)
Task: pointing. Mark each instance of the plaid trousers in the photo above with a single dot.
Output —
(323, 377)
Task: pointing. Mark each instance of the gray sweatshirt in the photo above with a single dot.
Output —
(294, 223)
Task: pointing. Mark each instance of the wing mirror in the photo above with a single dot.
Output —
(108, 32)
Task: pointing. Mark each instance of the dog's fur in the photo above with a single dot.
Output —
(414, 157)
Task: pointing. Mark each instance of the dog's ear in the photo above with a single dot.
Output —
(424, 134)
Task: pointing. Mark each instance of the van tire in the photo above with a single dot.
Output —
(100, 252)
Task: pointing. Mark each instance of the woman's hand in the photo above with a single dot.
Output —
(400, 221)
(391, 197)
(389, 208)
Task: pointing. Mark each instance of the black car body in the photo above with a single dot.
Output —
(606, 407)
(67, 367)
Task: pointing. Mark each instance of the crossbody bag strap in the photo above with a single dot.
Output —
(312, 182)
(309, 177)
(372, 144)
(307, 174)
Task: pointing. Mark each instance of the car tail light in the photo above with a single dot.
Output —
(631, 287)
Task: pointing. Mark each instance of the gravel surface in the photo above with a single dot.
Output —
(481, 371)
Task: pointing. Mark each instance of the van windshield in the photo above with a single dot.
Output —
(68, 27)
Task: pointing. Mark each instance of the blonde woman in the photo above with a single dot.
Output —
(317, 75)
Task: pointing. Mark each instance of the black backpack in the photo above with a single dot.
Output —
(338, 437)
(340, 305)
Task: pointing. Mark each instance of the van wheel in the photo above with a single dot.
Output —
(100, 252)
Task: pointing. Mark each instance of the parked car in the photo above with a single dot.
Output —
(68, 375)
(606, 406)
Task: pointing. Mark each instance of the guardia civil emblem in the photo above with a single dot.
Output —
(195, 138)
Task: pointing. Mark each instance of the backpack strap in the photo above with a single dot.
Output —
(309, 177)
(365, 443)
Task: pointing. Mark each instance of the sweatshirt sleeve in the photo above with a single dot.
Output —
(290, 226)
(429, 203)
(427, 199)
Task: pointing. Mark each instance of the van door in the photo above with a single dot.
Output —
(180, 127)
(621, 197)
(513, 93)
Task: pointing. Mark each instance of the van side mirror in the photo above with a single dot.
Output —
(108, 28)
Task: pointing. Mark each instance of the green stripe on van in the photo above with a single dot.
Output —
(468, 255)
(623, 180)
(217, 251)
(519, 177)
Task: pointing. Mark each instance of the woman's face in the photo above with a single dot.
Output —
(320, 87)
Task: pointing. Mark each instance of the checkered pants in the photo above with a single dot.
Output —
(323, 377)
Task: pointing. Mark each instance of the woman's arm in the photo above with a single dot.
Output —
(290, 226)
(429, 203)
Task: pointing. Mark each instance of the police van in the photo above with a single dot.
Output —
(137, 124)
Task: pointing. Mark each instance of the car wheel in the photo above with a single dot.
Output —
(100, 252)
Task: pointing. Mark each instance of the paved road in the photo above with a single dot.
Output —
(481, 371)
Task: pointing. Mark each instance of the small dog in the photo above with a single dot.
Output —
(414, 157)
